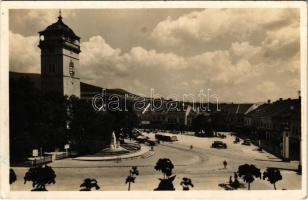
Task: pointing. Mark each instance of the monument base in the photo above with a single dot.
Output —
(112, 151)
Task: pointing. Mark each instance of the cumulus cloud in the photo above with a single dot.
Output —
(27, 20)
(212, 24)
(98, 59)
(246, 50)
(282, 43)
(24, 54)
(268, 87)
(169, 73)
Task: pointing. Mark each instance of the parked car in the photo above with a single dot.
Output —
(246, 142)
(166, 137)
(219, 145)
(141, 138)
(222, 136)
(237, 140)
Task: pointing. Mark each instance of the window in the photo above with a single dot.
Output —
(71, 68)
(52, 68)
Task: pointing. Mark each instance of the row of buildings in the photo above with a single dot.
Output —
(275, 126)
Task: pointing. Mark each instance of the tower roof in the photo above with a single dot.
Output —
(59, 28)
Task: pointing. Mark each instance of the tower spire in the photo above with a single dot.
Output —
(60, 17)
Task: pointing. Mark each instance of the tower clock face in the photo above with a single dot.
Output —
(71, 69)
(42, 37)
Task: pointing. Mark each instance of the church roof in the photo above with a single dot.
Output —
(59, 28)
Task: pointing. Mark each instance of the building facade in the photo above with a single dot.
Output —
(60, 48)
(231, 116)
(277, 126)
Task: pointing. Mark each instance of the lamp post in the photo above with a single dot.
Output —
(66, 147)
(35, 155)
(286, 143)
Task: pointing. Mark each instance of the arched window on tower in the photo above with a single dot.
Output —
(71, 69)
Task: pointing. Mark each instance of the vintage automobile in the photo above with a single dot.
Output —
(222, 136)
(166, 137)
(141, 138)
(237, 140)
(219, 145)
(246, 142)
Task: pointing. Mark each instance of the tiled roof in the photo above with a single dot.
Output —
(280, 108)
(235, 108)
(59, 28)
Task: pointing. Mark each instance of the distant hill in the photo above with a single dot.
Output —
(34, 78)
(120, 92)
(88, 91)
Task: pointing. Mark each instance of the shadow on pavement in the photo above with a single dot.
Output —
(270, 160)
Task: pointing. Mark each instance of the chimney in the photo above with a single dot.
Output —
(299, 94)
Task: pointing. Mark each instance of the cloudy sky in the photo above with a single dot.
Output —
(242, 55)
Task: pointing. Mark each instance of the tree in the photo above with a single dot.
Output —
(89, 130)
(166, 166)
(88, 184)
(272, 175)
(198, 122)
(186, 182)
(132, 176)
(13, 177)
(166, 184)
(36, 118)
(248, 172)
(125, 118)
(203, 123)
(88, 124)
(40, 176)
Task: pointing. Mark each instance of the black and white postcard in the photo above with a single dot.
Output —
(153, 100)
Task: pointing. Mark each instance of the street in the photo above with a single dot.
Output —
(203, 164)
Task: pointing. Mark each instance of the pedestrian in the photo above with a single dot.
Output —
(191, 147)
(225, 164)
(230, 180)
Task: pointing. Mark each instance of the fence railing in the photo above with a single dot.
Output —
(62, 155)
(40, 160)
